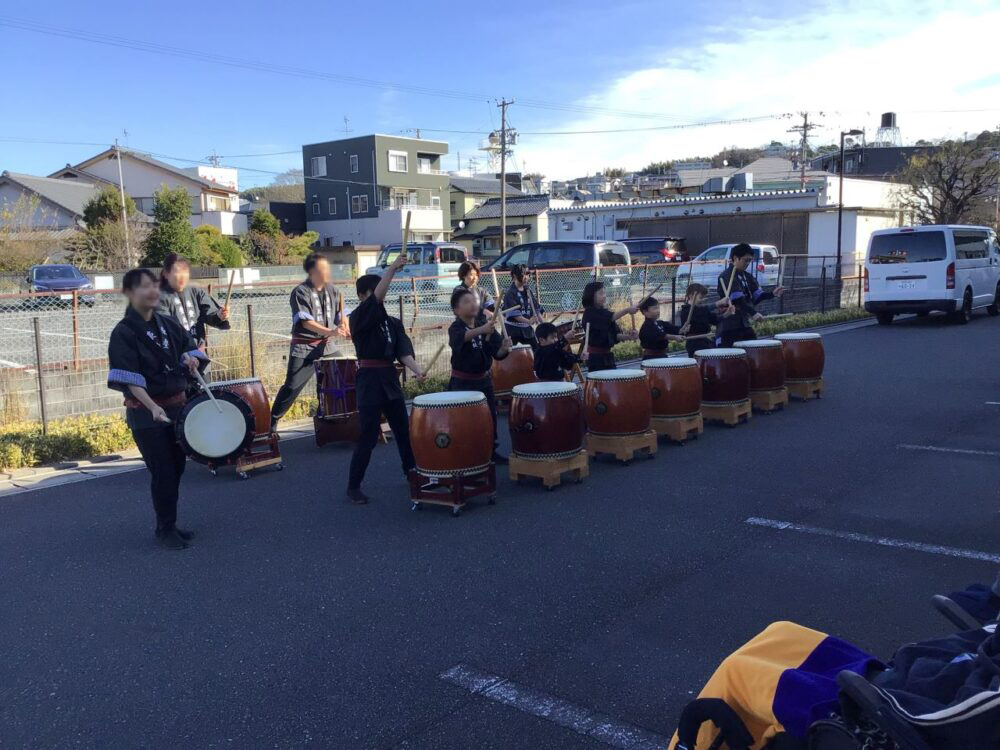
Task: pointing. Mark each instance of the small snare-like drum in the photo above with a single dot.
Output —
(617, 402)
(546, 420)
(675, 386)
(804, 356)
(335, 386)
(767, 364)
(725, 376)
(516, 368)
(252, 391)
(216, 432)
(451, 433)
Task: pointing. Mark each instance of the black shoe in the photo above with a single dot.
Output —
(187, 536)
(500, 459)
(356, 496)
(274, 424)
(170, 539)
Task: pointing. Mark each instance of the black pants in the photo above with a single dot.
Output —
(522, 336)
(698, 345)
(300, 371)
(733, 335)
(371, 426)
(484, 386)
(165, 461)
(597, 362)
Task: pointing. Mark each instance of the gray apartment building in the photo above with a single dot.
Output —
(358, 190)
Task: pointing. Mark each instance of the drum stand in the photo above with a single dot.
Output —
(770, 400)
(345, 428)
(263, 451)
(679, 429)
(452, 491)
(805, 389)
(730, 414)
(622, 447)
(550, 470)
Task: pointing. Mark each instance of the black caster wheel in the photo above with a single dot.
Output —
(214, 472)
(243, 475)
(456, 511)
(492, 500)
(279, 467)
(417, 506)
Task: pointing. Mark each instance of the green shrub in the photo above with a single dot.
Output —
(22, 444)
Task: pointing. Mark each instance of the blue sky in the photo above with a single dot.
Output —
(591, 65)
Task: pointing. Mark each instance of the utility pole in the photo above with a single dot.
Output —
(121, 187)
(503, 173)
(804, 129)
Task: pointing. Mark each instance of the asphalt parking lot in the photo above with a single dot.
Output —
(300, 620)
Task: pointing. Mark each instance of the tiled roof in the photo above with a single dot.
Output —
(531, 205)
(481, 185)
(71, 195)
(156, 163)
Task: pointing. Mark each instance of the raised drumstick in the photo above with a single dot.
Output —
(496, 291)
(434, 359)
(229, 290)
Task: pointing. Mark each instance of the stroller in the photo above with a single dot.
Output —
(791, 688)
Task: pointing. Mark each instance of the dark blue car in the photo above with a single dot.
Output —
(59, 277)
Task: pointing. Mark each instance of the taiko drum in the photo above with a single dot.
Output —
(516, 368)
(451, 433)
(725, 376)
(546, 420)
(804, 355)
(617, 402)
(252, 391)
(767, 364)
(674, 386)
(336, 386)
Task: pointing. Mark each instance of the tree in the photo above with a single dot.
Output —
(172, 232)
(951, 184)
(657, 167)
(215, 250)
(613, 173)
(289, 177)
(287, 187)
(25, 236)
(107, 206)
(102, 245)
(265, 222)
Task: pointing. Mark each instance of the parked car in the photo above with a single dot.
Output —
(947, 268)
(705, 268)
(59, 277)
(434, 264)
(644, 250)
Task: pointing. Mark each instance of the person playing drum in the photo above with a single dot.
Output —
(527, 310)
(150, 357)
(699, 318)
(553, 358)
(474, 346)
(190, 305)
(604, 331)
(316, 316)
(655, 335)
(379, 340)
(744, 294)
(469, 273)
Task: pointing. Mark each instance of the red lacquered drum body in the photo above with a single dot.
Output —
(617, 402)
(546, 420)
(804, 355)
(675, 386)
(335, 386)
(516, 368)
(252, 391)
(451, 433)
(767, 363)
(725, 376)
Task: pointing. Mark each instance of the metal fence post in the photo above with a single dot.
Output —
(400, 307)
(860, 285)
(673, 296)
(253, 354)
(822, 290)
(416, 300)
(795, 274)
(41, 383)
(781, 280)
(76, 331)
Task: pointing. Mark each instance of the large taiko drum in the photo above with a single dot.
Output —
(216, 432)
(804, 356)
(617, 402)
(546, 420)
(451, 433)
(767, 364)
(725, 376)
(336, 379)
(516, 368)
(252, 391)
(674, 385)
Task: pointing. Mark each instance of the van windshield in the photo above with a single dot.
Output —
(908, 247)
(612, 255)
(391, 252)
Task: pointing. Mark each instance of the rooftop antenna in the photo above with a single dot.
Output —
(347, 125)
(214, 159)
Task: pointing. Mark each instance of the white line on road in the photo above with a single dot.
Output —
(938, 449)
(993, 403)
(569, 715)
(882, 541)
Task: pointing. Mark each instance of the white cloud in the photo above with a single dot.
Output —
(850, 62)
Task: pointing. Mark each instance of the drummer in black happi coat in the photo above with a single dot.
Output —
(604, 332)
(744, 295)
(316, 314)
(379, 340)
(192, 307)
(150, 359)
(655, 335)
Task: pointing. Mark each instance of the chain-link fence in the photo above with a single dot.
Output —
(53, 357)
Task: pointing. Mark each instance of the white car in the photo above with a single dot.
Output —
(947, 268)
(434, 265)
(705, 268)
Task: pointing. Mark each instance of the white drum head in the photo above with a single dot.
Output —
(213, 434)
(449, 398)
(616, 375)
(797, 336)
(520, 346)
(655, 364)
(758, 344)
(545, 389)
(238, 381)
(720, 353)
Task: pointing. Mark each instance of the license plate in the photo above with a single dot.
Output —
(906, 284)
(65, 296)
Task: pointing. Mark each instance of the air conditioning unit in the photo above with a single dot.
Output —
(714, 185)
(741, 183)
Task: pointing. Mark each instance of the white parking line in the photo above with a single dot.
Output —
(882, 541)
(993, 403)
(938, 449)
(569, 715)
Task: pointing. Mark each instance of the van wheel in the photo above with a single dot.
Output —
(884, 319)
(994, 309)
(964, 314)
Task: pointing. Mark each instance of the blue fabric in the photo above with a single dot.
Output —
(302, 316)
(809, 692)
(198, 354)
(126, 377)
(736, 295)
(756, 293)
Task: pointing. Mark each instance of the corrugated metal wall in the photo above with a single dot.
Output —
(789, 232)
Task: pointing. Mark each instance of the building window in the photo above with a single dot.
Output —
(398, 161)
(424, 164)
(317, 166)
(435, 201)
(316, 209)
(453, 212)
(359, 204)
(217, 203)
(354, 163)
(331, 206)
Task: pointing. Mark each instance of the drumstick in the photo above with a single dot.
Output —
(585, 342)
(406, 234)
(496, 291)
(211, 396)
(435, 358)
(229, 291)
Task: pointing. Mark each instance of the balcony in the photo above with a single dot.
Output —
(422, 218)
(428, 170)
(228, 222)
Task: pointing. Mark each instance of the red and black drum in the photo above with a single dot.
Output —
(252, 391)
(516, 368)
(725, 376)
(451, 433)
(674, 385)
(336, 379)
(617, 402)
(804, 356)
(546, 420)
(767, 364)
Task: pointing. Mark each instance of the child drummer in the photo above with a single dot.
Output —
(698, 318)
(604, 331)
(473, 349)
(655, 335)
(553, 358)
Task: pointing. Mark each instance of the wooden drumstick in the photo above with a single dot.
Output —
(406, 234)
(229, 291)
(211, 396)
(496, 291)
(585, 342)
(434, 359)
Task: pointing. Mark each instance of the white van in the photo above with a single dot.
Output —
(434, 264)
(949, 268)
